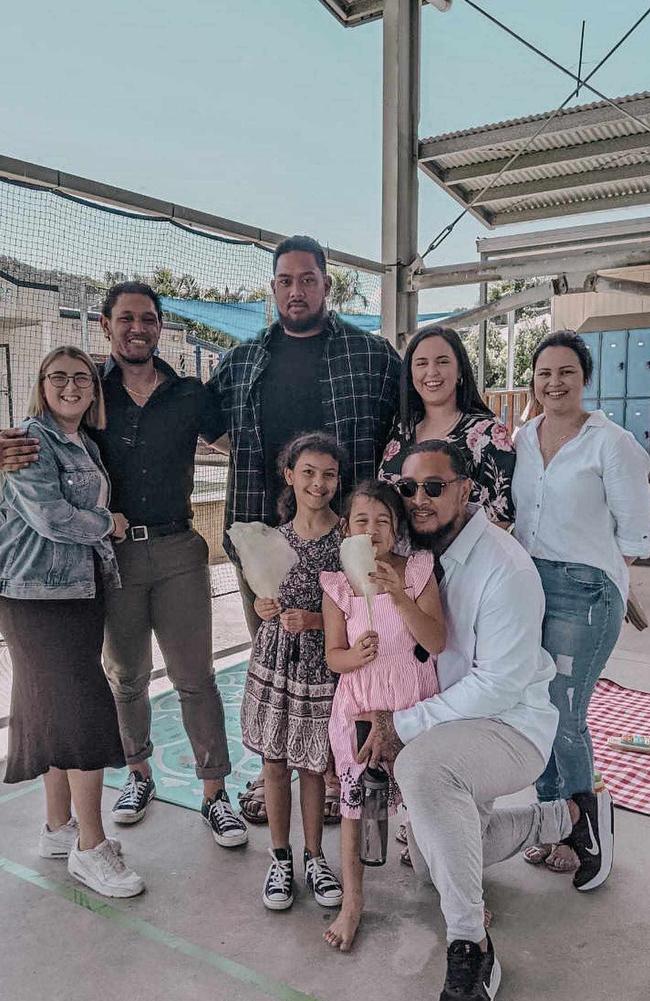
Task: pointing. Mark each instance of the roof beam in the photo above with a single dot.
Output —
(472, 273)
(572, 208)
(499, 307)
(605, 283)
(541, 158)
(536, 240)
(514, 132)
(564, 182)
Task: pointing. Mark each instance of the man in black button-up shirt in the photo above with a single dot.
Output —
(148, 447)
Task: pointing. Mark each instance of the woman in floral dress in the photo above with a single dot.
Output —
(440, 400)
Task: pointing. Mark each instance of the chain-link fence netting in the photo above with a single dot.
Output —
(59, 254)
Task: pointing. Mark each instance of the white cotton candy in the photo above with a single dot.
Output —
(266, 556)
(358, 560)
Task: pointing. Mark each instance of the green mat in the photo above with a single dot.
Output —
(173, 759)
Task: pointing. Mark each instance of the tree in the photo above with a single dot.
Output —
(496, 355)
(346, 289)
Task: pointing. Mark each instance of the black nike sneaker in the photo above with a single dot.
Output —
(472, 975)
(592, 839)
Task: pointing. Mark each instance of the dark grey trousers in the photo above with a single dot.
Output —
(166, 591)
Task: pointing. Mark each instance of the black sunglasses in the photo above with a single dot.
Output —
(432, 486)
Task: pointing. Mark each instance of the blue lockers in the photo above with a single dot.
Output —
(621, 381)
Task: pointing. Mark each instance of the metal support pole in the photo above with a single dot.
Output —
(83, 315)
(510, 366)
(401, 93)
(482, 336)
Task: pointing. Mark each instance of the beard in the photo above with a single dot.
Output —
(142, 360)
(437, 541)
(307, 322)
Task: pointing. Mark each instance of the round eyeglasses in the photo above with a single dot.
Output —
(60, 380)
(431, 486)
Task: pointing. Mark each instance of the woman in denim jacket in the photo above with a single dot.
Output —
(55, 560)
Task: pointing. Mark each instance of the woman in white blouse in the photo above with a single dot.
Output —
(582, 503)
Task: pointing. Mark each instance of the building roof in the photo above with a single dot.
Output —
(353, 12)
(586, 159)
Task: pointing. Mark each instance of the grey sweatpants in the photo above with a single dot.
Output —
(450, 776)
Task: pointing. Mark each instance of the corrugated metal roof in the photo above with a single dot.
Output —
(595, 140)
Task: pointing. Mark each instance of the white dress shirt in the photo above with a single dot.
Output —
(493, 665)
(590, 505)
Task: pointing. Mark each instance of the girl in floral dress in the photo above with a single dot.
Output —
(440, 400)
(390, 667)
(289, 688)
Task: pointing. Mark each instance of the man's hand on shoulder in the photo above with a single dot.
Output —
(17, 450)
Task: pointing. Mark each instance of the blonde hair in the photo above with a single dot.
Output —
(95, 415)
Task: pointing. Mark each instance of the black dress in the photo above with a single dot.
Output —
(62, 710)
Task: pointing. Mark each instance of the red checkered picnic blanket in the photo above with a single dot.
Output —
(614, 711)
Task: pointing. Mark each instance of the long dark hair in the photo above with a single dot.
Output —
(314, 441)
(468, 398)
(382, 491)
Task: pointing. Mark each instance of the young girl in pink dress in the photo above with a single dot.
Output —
(390, 667)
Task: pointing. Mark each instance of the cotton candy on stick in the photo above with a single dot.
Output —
(358, 560)
(266, 556)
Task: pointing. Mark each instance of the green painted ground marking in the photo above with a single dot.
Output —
(271, 988)
(19, 792)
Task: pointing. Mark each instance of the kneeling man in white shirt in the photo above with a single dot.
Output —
(490, 731)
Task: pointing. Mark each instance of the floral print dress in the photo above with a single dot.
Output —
(490, 455)
(289, 688)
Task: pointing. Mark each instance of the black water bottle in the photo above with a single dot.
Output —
(373, 843)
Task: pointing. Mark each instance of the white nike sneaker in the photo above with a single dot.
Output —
(60, 842)
(104, 871)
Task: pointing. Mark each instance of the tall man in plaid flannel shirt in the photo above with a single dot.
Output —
(308, 371)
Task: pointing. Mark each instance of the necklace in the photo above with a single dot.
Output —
(143, 396)
(555, 441)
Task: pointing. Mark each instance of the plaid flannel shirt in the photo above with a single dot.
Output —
(359, 378)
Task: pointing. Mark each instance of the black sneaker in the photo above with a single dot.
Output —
(131, 804)
(472, 975)
(228, 830)
(322, 882)
(278, 885)
(592, 839)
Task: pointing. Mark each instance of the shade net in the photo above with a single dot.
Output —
(58, 256)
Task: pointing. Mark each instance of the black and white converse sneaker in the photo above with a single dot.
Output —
(228, 830)
(322, 882)
(472, 975)
(278, 885)
(592, 839)
(131, 804)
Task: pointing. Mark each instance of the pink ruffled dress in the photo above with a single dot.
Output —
(396, 679)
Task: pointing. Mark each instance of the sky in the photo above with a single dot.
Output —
(269, 111)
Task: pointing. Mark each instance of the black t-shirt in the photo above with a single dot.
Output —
(291, 399)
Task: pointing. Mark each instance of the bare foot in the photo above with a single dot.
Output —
(341, 933)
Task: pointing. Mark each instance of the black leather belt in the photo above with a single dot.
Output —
(141, 533)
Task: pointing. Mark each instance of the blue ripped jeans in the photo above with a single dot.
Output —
(584, 613)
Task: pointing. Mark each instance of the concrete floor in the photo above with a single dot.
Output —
(200, 929)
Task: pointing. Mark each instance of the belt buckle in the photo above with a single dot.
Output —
(140, 533)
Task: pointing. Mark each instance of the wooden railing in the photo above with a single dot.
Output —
(508, 405)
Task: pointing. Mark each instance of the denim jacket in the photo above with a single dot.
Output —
(50, 525)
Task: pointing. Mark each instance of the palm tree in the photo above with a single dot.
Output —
(346, 289)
